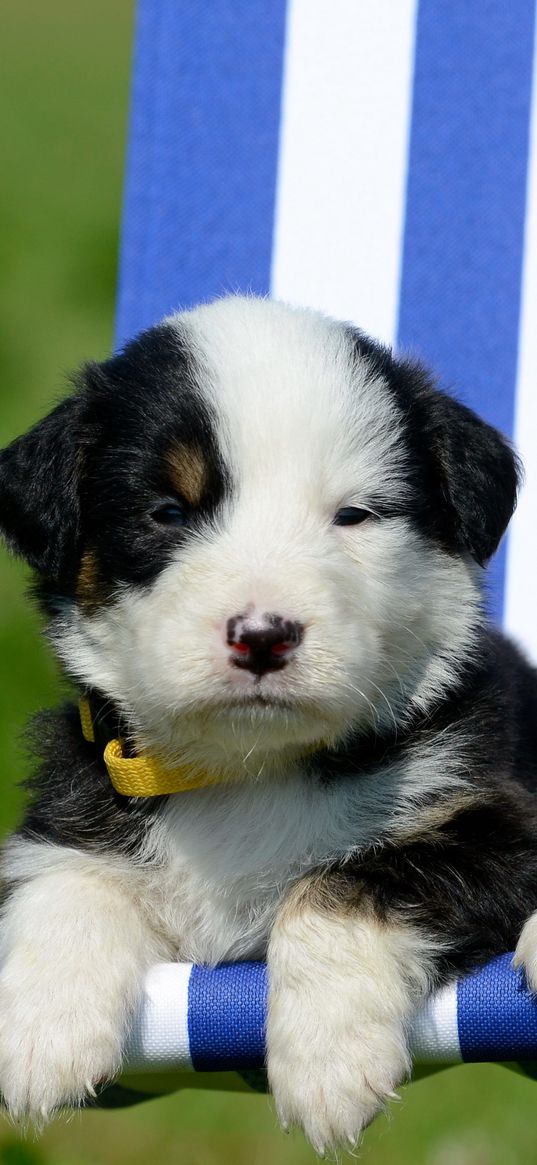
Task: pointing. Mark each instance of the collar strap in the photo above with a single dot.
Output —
(141, 776)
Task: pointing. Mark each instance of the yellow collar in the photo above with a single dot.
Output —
(142, 776)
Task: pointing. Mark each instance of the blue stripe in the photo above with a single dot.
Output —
(463, 244)
(496, 1014)
(226, 1016)
(202, 157)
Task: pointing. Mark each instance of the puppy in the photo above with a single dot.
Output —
(259, 542)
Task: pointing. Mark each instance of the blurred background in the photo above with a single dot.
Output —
(64, 84)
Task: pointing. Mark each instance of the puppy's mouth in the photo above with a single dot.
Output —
(257, 699)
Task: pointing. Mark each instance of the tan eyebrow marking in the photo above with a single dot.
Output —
(188, 471)
(89, 589)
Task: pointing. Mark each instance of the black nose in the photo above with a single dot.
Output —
(262, 645)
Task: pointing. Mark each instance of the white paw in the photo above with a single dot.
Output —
(331, 1078)
(74, 948)
(342, 987)
(526, 952)
(55, 1044)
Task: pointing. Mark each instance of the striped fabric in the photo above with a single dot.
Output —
(203, 1019)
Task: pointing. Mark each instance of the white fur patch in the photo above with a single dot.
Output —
(526, 952)
(225, 858)
(75, 947)
(342, 990)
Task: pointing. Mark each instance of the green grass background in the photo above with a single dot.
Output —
(64, 76)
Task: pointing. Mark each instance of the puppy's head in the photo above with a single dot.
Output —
(256, 529)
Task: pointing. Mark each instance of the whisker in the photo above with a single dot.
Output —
(385, 698)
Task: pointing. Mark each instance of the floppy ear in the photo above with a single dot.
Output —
(473, 474)
(39, 487)
(480, 476)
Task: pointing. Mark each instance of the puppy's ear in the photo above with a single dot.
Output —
(39, 492)
(480, 475)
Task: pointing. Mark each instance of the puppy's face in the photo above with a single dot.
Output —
(257, 531)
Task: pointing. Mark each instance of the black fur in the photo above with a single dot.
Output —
(72, 800)
(89, 476)
(471, 880)
(471, 885)
(480, 716)
(464, 473)
(139, 404)
(39, 485)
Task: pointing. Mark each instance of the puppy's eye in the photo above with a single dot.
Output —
(350, 516)
(171, 514)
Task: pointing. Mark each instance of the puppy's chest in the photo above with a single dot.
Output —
(225, 859)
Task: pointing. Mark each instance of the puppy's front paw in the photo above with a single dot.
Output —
(55, 1045)
(331, 1073)
(343, 986)
(526, 952)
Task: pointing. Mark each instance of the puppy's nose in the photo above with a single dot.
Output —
(263, 644)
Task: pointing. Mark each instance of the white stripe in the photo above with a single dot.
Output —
(159, 1038)
(343, 158)
(434, 1032)
(521, 574)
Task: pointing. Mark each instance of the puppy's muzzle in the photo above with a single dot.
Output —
(262, 644)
